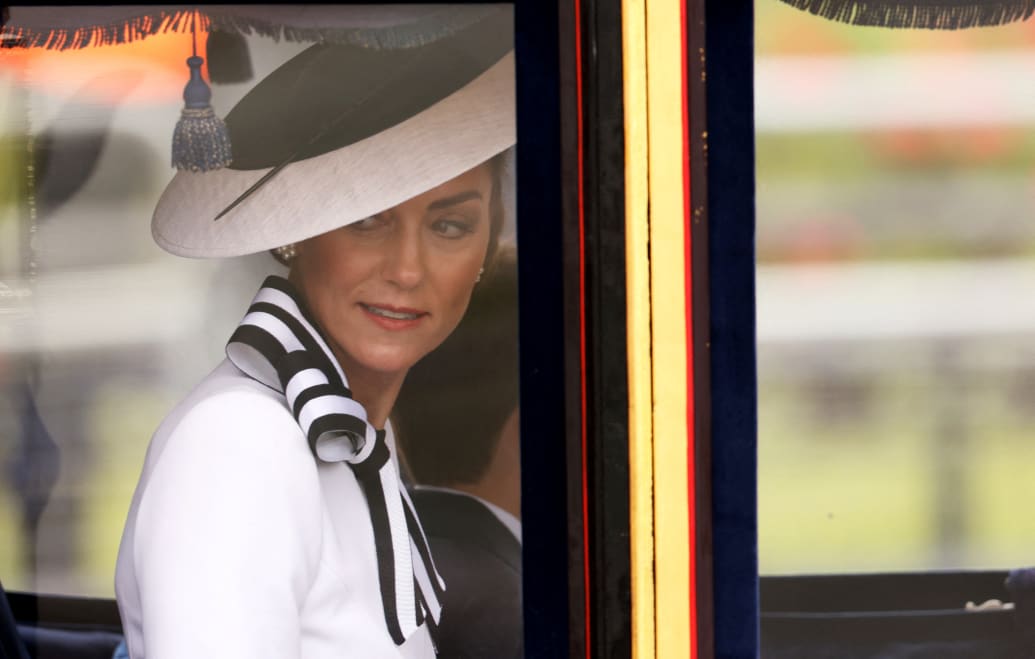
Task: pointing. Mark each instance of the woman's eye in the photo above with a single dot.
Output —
(368, 224)
(452, 227)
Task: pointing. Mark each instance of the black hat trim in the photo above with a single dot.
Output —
(334, 95)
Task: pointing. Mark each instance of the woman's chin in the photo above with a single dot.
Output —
(386, 362)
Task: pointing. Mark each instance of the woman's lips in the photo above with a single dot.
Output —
(392, 318)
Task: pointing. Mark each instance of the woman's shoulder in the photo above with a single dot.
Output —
(228, 398)
(228, 512)
(227, 385)
(230, 449)
(230, 418)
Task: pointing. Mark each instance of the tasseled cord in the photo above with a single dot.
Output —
(200, 141)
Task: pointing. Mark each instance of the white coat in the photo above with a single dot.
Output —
(239, 545)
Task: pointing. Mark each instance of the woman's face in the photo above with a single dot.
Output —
(389, 289)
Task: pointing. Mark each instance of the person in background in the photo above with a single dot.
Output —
(456, 420)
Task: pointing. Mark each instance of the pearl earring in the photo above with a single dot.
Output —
(285, 253)
(481, 271)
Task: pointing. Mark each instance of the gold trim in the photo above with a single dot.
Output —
(669, 341)
(637, 272)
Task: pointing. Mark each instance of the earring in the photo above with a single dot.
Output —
(285, 253)
(481, 271)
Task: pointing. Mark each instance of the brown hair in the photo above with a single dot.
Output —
(495, 210)
(455, 401)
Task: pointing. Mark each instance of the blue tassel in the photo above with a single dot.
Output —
(200, 141)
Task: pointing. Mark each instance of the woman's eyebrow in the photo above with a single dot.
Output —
(459, 198)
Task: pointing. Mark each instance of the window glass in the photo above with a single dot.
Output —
(102, 333)
(896, 325)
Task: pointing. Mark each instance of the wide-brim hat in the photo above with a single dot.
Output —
(342, 132)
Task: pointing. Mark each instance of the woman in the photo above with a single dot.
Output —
(269, 520)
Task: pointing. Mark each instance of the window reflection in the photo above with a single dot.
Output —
(896, 191)
(100, 331)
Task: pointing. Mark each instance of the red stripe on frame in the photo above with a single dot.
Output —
(582, 320)
(688, 288)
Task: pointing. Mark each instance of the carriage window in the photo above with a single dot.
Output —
(102, 332)
(896, 324)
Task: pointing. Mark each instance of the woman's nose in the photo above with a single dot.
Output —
(404, 263)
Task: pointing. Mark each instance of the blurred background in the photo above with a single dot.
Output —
(896, 295)
(101, 332)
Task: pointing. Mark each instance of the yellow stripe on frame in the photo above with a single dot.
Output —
(637, 272)
(669, 341)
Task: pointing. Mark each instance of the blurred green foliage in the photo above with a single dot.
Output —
(854, 156)
(858, 489)
(895, 466)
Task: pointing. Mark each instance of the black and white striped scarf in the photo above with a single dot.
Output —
(277, 344)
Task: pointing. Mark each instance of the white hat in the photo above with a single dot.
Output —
(342, 132)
